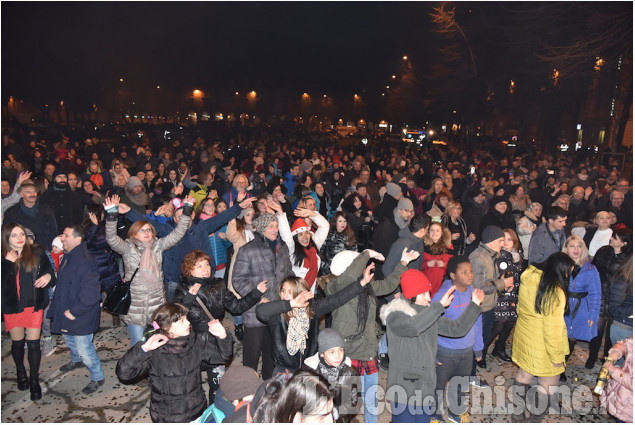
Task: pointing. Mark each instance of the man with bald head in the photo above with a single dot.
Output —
(579, 206)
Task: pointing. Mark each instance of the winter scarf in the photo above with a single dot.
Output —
(298, 331)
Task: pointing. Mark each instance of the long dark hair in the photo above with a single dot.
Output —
(299, 255)
(305, 393)
(555, 275)
(348, 231)
(28, 257)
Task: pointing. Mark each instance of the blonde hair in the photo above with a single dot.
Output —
(584, 255)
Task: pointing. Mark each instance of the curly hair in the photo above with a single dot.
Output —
(190, 261)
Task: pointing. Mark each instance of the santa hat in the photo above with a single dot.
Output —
(299, 226)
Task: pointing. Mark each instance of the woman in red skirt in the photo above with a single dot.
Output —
(26, 271)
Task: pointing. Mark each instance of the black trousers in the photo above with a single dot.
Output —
(502, 330)
(257, 342)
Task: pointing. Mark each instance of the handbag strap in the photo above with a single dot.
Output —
(200, 302)
(134, 274)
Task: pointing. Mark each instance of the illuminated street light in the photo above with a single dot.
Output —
(394, 76)
(197, 94)
(405, 58)
(158, 87)
(121, 80)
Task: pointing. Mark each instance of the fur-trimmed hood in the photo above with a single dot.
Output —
(398, 304)
(314, 360)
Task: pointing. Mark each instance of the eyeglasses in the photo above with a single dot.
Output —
(145, 230)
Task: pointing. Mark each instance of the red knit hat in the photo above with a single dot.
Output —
(413, 283)
(299, 226)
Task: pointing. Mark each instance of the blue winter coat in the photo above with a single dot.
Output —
(196, 237)
(77, 290)
(105, 259)
(587, 280)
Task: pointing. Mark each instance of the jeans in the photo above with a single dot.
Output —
(238, 320)
(619, 333)
(136, 333)
(170, 288)
(46, 323)
(370, 382)
(82, 348)
(383, 345)
(403, 413)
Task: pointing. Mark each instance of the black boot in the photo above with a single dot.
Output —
(34, 355)
(519, 394)
(17, 351)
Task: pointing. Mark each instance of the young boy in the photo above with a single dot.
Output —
(331, 363)
(238, 387)
(454, 355)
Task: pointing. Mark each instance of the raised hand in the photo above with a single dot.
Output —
(262, 287)
(477, 296)
(22, 177)
(302, 300)
(408, 256)
(216, 328)
(178, 190)
(154, 342)
(124, 208)
(447, 298)
(189, 200)
(274, 205)
(375, 255)
(246, 203)
(303, 212)
(368, 274)
(93, 218)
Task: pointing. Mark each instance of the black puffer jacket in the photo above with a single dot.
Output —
(271, 314)
(215, 296)
(607, 263)
(334, 244)
(105, 258)
(175, 374)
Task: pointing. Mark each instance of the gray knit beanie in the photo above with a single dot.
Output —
(491, 233)
(393, 189)
(329, 338)
(261, 223)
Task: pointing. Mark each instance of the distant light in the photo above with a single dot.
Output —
(365, 141)
(405, 58)
(236, 93)
(387, 87)
(121, 80)
(431, 132)
(158, 87)
(394, 76)
(578, 127)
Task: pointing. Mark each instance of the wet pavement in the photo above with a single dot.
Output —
(63, 401)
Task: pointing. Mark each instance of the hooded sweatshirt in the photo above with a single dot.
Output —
(474, 337)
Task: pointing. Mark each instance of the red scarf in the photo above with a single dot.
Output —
(311, 263)
(57, 258)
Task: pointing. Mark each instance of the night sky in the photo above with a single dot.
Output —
(78, 51)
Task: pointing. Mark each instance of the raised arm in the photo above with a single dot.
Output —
(112, 214)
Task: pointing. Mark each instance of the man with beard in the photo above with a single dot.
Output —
(67, 205)
(135, 195)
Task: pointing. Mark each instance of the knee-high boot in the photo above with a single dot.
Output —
(519, 395)
(17, 351)
(34, 355)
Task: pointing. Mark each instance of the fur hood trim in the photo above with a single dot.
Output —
(314, 360)
(398, 304)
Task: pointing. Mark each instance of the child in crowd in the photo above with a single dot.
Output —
(238, 387)
(172, 355)
(414, 323)
(454, 355)
(618, 394)
(331, 363)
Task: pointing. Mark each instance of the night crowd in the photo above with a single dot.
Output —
(334, 262)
